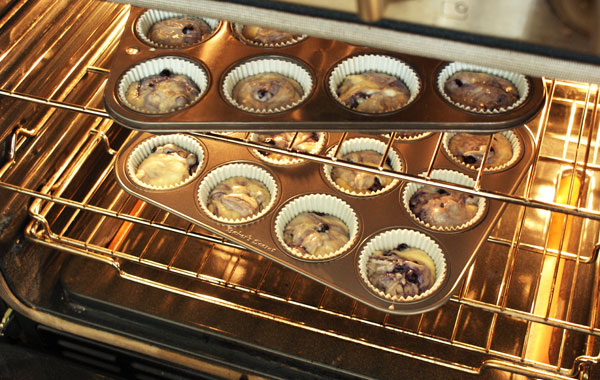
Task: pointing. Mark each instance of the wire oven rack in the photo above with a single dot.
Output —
(544, 252)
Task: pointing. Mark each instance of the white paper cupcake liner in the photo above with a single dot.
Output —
(277, 159)
(324, 203)
(447, 176)
(519, 80)
(220, 174)
(408, 136)
(175, 65)
(143, 150)
(358, 145)
(379, 63)
(282, 66)
(391, 239)
(238, 28)
(152, 16)
(512, 137)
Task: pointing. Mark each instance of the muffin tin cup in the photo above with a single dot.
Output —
(279, 65)
(358, 145)
(143, 150)
(512, 137)
(389, 240)
(152, 16)
(238, 30)
(447, 176)
(379, 63)
(281, 159)
(175, 65)
(220, 174)
(520, 81)
(324, 203)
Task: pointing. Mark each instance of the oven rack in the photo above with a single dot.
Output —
(51, 196)
(53, 204)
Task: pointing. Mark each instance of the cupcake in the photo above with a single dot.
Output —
(165, 162)
(162, 85)
(267, 37)
(306, 142)
(173, 30)
(368, 152)
(402, 265)
(443, 209)
(237, 193)
(267, 85)
(469, 149)
(374, 84)
(267, 91)
(481, 89)
(316, 227)
(237, 198)
(316, 233)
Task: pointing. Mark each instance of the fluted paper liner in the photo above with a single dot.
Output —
(152, 16)
(447, 176)
(238, 30)
(155, 66)
(519, 80)
(282, 66)
(358, 145)
(391, 239)
(409, 136)
(143, 150)
(379, 63)
(512, 137)
(323, 203)
(288, 160)
(220, 174)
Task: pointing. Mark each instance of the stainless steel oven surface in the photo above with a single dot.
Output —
(102, 278)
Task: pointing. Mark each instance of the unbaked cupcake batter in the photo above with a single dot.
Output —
(267, 91)
(401, 272)
(162, 93)
(443, 208)
(238, 197)
(470, 149)
(179, 31)
(373, 92)
(357, 180)
(481, 91)
(166, 165)
(316, 233)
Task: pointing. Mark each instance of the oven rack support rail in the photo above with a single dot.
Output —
(41, 231)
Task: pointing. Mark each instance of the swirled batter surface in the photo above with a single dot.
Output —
(401, 272)
(357, 180)
(481, 91)
(373, 92)
(316, 234)
(179, 31)
(166, 165)
(238, 197)
(443, 208)
(162, 93)
(267, 91)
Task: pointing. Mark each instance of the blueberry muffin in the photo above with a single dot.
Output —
(481, 91)
(267, 36)
(179, 31)
(469, 149)
(401, 272)
(166, 165)
(443, 208)
(361, 181)
(316, 233)
(267, 91)
(373, 92)
(162, 93)
(238, 198)
(308, 142)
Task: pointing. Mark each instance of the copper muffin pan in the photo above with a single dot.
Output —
(223, 51)
(375, 214)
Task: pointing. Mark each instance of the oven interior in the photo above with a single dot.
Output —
(75, 246)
